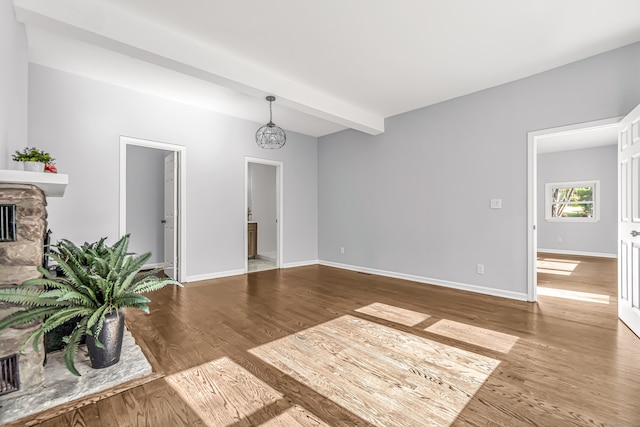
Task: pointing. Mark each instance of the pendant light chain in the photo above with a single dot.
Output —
(270, 112)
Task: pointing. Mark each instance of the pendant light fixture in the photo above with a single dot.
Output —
(270, 135)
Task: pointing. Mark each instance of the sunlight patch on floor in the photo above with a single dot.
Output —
(385, 376)
(574, 295)
(557, 266)
(556, 272)
(393, 314)
(222, 392)
(482, 337)
(295, 416)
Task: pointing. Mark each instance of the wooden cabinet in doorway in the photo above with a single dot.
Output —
(252, 233)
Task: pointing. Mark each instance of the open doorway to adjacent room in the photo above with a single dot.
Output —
(263, 237)
(152, 203)
(573, 199)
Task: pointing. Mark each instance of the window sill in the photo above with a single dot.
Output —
(587, 220)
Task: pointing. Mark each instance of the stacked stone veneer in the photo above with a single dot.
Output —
(19, 261)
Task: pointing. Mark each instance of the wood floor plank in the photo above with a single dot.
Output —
(394, 314)
(295, 392)
(482, 337)
(221, 392)
(154, 404)
(295, 416)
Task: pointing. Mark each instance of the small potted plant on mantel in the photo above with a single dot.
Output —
(34, 160)
(98, 282)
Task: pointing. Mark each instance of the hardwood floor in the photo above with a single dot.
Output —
(314, 346)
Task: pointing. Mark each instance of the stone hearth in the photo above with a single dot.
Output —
(57, 386)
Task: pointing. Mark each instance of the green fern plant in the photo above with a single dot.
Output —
(98, 280)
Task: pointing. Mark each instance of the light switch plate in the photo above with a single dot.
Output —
(496, 203)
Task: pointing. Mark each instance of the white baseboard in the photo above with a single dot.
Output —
(239, 272)
(420, 279)
(266, 258)
(153, 266)
(300, 263)
(217, 275)
(563, 252)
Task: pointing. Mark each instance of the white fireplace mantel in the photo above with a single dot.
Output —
(52, 184)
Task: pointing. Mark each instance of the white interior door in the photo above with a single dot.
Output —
(629, 221)
(170, 215)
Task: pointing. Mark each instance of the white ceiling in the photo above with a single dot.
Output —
(332, 64)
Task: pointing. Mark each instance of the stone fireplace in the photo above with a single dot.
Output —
(23, 224)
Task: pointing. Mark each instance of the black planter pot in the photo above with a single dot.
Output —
(111, 338)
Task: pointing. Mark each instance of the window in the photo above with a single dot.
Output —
(572, 201)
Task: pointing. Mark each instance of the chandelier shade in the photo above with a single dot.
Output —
(271, 136)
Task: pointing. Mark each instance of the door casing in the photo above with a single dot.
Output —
(181, 160)
(532, 192)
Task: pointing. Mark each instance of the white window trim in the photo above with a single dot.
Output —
(596, 200)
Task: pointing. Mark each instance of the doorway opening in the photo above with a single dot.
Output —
(549, 142)
(263, 208)
(153, 203)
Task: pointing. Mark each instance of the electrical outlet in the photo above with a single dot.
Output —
(496, 203)
(559, 239)
(480, 269)
(341, 250)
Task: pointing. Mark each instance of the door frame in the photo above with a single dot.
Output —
(181, 162)
(279, 208)
(532, 192)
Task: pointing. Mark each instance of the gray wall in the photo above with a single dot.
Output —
(13, 85)
(80, 121)
(145, 201)
(264, 209)
(416, 199)
(599, 163)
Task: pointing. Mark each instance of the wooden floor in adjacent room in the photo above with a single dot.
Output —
(318, 346)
